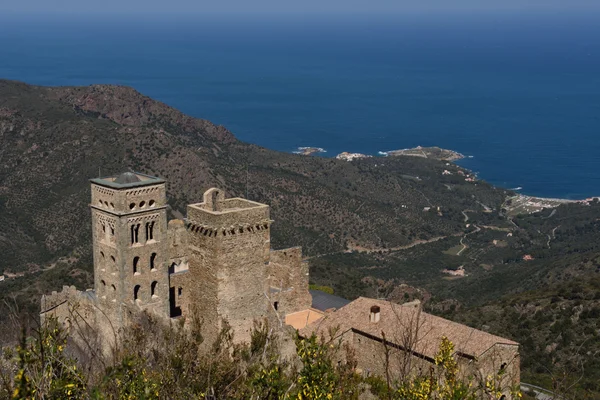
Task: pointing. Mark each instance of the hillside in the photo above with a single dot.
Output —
(55, 139)
(396, 227)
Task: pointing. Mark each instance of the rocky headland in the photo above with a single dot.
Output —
(435, 153)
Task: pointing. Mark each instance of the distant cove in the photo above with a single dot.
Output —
(520, 94)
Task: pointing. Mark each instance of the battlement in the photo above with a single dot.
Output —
(51, 301)
(218, 213)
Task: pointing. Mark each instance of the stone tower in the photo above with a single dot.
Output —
(129, 230)
(228, 249)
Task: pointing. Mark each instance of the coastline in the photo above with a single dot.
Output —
(522, 202)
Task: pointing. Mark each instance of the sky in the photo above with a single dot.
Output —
(292, 6)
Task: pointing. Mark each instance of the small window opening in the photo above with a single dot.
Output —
(136, 261)
(132, 206)
(112, 231)
(152, 261)
(502, 368)
(175, 310)
(142, 204)
(103, 228)
(113, 287)
(151, 203)
(179, 291)
(135, 230)
(153, 289)
(149, 230)
(136, 292)
(276, 305)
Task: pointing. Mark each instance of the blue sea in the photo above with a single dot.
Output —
(519, 93)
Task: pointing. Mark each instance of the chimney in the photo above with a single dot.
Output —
(375, 314)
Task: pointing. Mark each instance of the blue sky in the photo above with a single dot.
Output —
(295, 6)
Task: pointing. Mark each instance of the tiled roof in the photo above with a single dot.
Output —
(401, 322)
(324, 301)
(127, 180)
(303, 318)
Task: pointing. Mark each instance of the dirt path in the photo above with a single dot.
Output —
(360, 249)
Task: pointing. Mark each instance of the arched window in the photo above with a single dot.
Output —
(136, 261)
(152, 261)
(153, 289)
(114, 261)
(103, 285)
(113, 287)
(135, 231)
(149, 230)
(136, 292)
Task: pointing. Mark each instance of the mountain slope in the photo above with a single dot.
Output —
(54, 139)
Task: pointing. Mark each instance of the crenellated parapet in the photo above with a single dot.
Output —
(230, 230)
(52, 301)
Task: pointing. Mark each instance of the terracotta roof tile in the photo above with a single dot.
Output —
(303, 318)
(404, 324)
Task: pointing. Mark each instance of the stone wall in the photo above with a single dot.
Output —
(229, 243)
(242, 281)
(200, 284)
(370, 354)
(287, 278)
(503, 360)
(91, 329)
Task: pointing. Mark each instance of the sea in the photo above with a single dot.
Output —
(517, 93)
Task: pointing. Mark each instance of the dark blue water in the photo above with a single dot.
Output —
(521, 94)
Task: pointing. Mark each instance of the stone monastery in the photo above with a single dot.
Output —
(218, 264)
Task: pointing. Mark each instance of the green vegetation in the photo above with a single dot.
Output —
(158, 362)
(325, 289)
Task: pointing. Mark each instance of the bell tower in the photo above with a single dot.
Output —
(229, 243)
(129, 231)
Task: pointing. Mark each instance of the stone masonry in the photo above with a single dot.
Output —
(216, 265)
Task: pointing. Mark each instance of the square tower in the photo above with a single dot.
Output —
(228, 249)
(129, 231)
